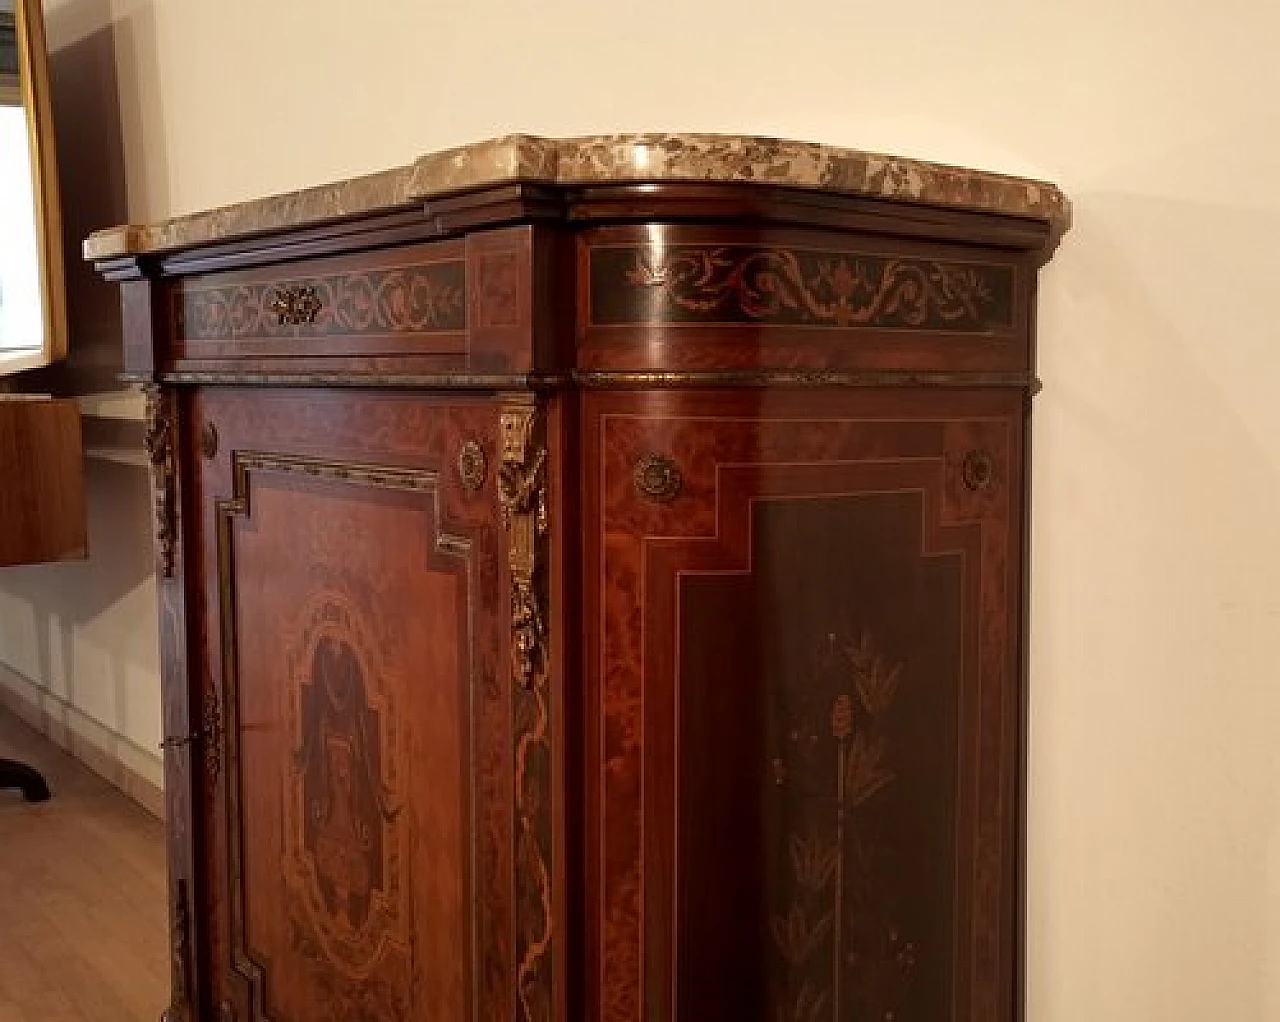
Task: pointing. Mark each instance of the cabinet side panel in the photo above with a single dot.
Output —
(817, 748)
(807, 693)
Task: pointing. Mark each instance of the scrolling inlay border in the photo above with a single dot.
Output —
(161, 441)
(422, 298)
(735, 284)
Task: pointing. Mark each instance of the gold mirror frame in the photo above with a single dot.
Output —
(33, 91)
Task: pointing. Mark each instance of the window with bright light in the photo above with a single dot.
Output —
(21, 314)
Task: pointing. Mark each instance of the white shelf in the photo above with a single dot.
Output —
(128, 404)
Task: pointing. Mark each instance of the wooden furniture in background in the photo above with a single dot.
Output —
(592, 593)
(42, 510)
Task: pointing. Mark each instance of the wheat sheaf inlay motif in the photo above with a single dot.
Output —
(840, 953)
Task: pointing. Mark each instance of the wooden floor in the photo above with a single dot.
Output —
(82, 897)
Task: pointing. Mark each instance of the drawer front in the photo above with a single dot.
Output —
(446, 306)
(366, 849)
(806, 689)
(388, 302)
(684, 298)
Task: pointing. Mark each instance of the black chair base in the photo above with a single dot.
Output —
(25, 779)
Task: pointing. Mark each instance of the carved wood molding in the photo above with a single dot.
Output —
(522, 491)
(161, 442)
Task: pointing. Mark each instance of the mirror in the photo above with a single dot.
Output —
(32, 302)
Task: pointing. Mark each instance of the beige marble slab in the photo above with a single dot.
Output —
(603, 159)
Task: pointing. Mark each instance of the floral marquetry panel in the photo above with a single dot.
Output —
(410, 299)
(682, 297)
(406, 302)
(808, 706)
(790, 286)
(844, 709)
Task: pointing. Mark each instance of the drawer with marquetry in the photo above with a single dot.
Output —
(433, 307)
(683, 297)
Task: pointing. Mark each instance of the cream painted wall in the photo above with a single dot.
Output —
(79, 640)
(1155, 777)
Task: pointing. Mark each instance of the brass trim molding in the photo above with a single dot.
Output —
(372, 381)
(522, 491)
(604, 379)
(801, 378)
(161, 442)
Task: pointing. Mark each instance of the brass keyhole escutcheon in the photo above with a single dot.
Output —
(296, 305)
(209, 441)
(473, 465)
(978, 470)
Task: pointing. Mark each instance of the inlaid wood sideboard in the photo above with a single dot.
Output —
(592, 581)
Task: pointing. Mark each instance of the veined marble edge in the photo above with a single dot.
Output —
(602, 159)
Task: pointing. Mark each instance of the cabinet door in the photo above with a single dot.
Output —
(805, 687)
(353, 645)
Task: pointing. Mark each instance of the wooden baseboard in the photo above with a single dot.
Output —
(110, 755)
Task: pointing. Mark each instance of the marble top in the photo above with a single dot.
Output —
(603, 159)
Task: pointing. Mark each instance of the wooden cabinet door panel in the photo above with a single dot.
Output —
(358, 825)
(807, 685)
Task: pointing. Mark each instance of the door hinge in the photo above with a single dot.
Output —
(209, 736)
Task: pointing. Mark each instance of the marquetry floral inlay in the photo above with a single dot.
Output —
(410, 299)
(841, 953)
(798, 287)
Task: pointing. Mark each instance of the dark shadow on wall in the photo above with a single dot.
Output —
(91, 172)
